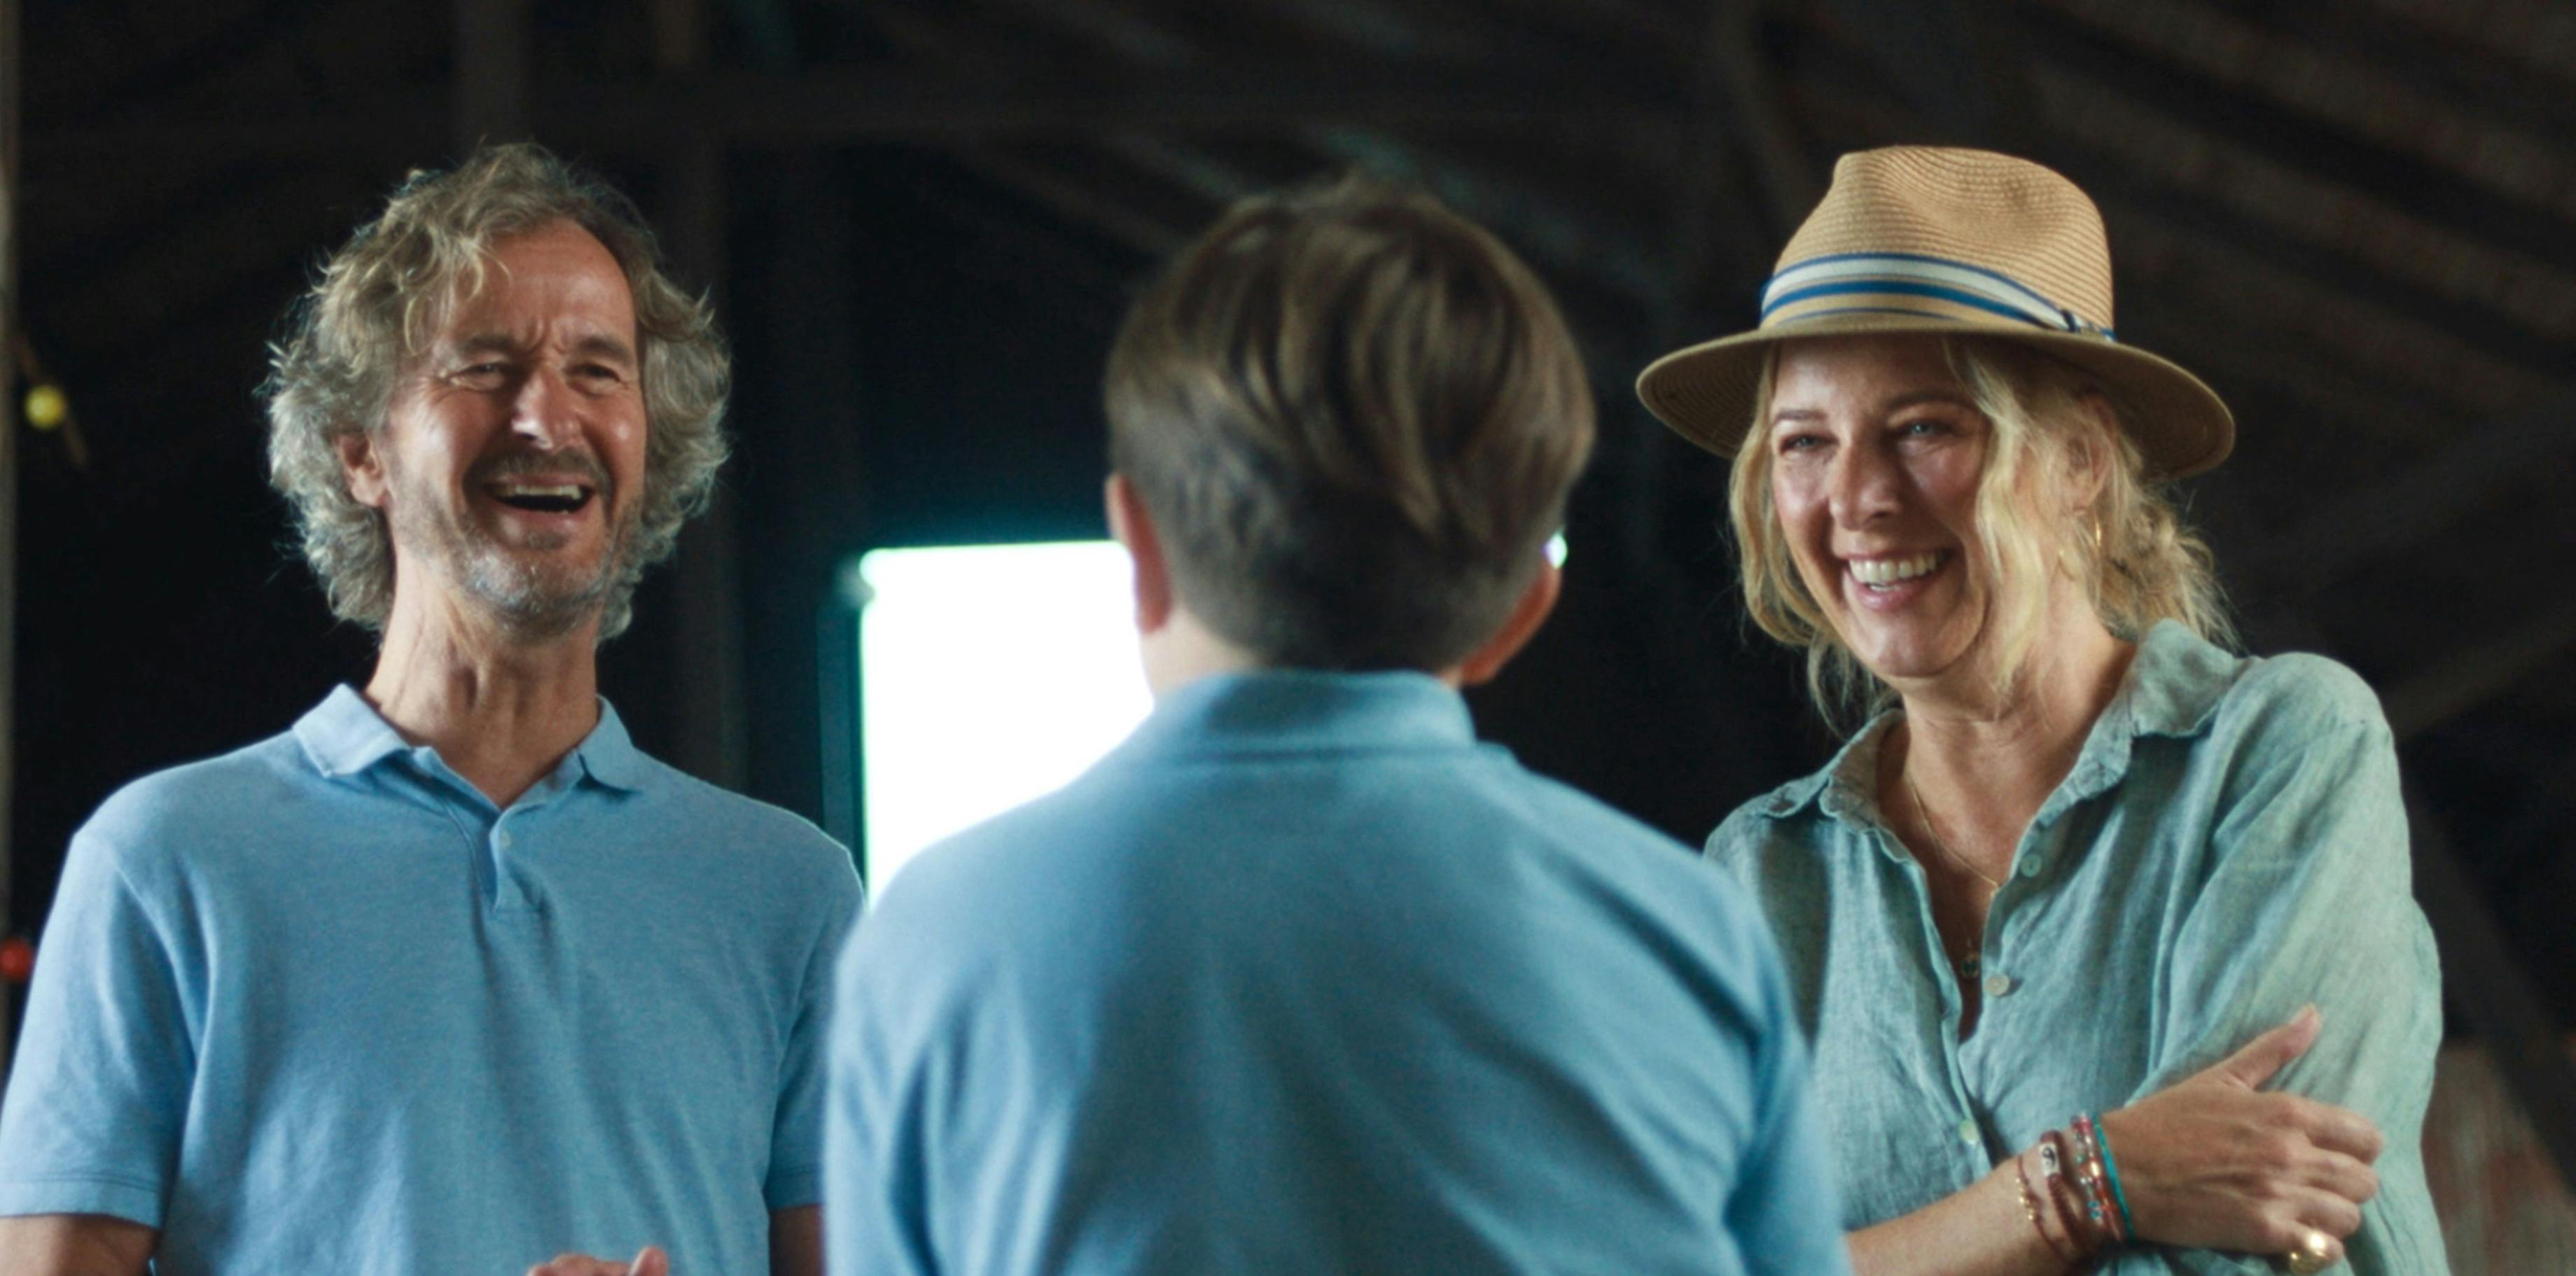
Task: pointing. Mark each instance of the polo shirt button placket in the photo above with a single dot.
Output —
(510, 884)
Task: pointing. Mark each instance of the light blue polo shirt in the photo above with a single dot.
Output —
(1303, 979)
(318, 1006)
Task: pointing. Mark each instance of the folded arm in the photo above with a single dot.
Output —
(2210, 1163)
(2307, 901)
(2243, 1138)
(74, 1245)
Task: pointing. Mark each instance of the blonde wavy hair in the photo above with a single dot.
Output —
(2128, 548)
(373, 308)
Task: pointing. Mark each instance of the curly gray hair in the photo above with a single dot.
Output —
(334, 371)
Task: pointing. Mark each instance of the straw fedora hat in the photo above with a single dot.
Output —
(1918, 239)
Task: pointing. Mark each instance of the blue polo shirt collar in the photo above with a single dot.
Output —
(344, 735)
(1305, 710)
(608, 755)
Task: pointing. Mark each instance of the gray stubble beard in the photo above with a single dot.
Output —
(514, 591)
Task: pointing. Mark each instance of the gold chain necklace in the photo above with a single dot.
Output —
(1924, 813)
(1973, 962)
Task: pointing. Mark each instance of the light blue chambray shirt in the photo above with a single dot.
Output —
(2229, 846)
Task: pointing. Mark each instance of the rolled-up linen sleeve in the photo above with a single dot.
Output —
(2305, 897)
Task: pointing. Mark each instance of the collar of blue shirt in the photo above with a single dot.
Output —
(1304, 710)
(344, 735)
(2172, 688)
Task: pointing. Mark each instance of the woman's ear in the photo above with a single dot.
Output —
(2090, 449)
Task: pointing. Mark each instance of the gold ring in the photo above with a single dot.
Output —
(2315, 1254)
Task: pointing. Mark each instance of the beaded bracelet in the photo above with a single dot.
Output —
(2065, 1196)
(2111, 1170)
(2080, 1186)
(2082, 1170)
(2099, 1203)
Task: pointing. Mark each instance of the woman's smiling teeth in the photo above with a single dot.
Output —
(1887, 573)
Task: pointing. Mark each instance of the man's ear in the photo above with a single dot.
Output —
(1517, 629)
(363, 470)
(1133, 525)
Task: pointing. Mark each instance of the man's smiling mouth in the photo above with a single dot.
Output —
(541, 498)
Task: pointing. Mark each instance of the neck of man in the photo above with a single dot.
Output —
(1183, 650)
(502, 706)
(1985, 760)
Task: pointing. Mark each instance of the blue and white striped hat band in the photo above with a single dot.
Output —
(1913, 284)
(1924, 241)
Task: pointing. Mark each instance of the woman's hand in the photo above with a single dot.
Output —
(2214, 1163)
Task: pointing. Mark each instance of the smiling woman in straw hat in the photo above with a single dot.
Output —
(2057, 910)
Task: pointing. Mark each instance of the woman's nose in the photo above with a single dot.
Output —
(1861, 486)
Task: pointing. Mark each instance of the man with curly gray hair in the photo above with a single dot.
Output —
(449, 977)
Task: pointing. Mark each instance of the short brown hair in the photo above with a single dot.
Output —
(1354, 416)
(333, 371)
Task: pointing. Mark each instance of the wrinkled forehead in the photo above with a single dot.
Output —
(553, 282)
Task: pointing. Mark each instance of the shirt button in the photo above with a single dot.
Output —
(502, 840)
(2029, 866)
(1968, 1132)
(1998, 984)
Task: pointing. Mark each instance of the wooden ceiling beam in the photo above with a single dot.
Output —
(2325, 227)
(2485, 121)
(845, 108)
(2355, 185)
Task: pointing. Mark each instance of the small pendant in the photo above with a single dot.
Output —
(1971, 965)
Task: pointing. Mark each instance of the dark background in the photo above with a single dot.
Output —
(921, 221)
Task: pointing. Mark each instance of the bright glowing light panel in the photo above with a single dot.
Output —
(988, 675)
